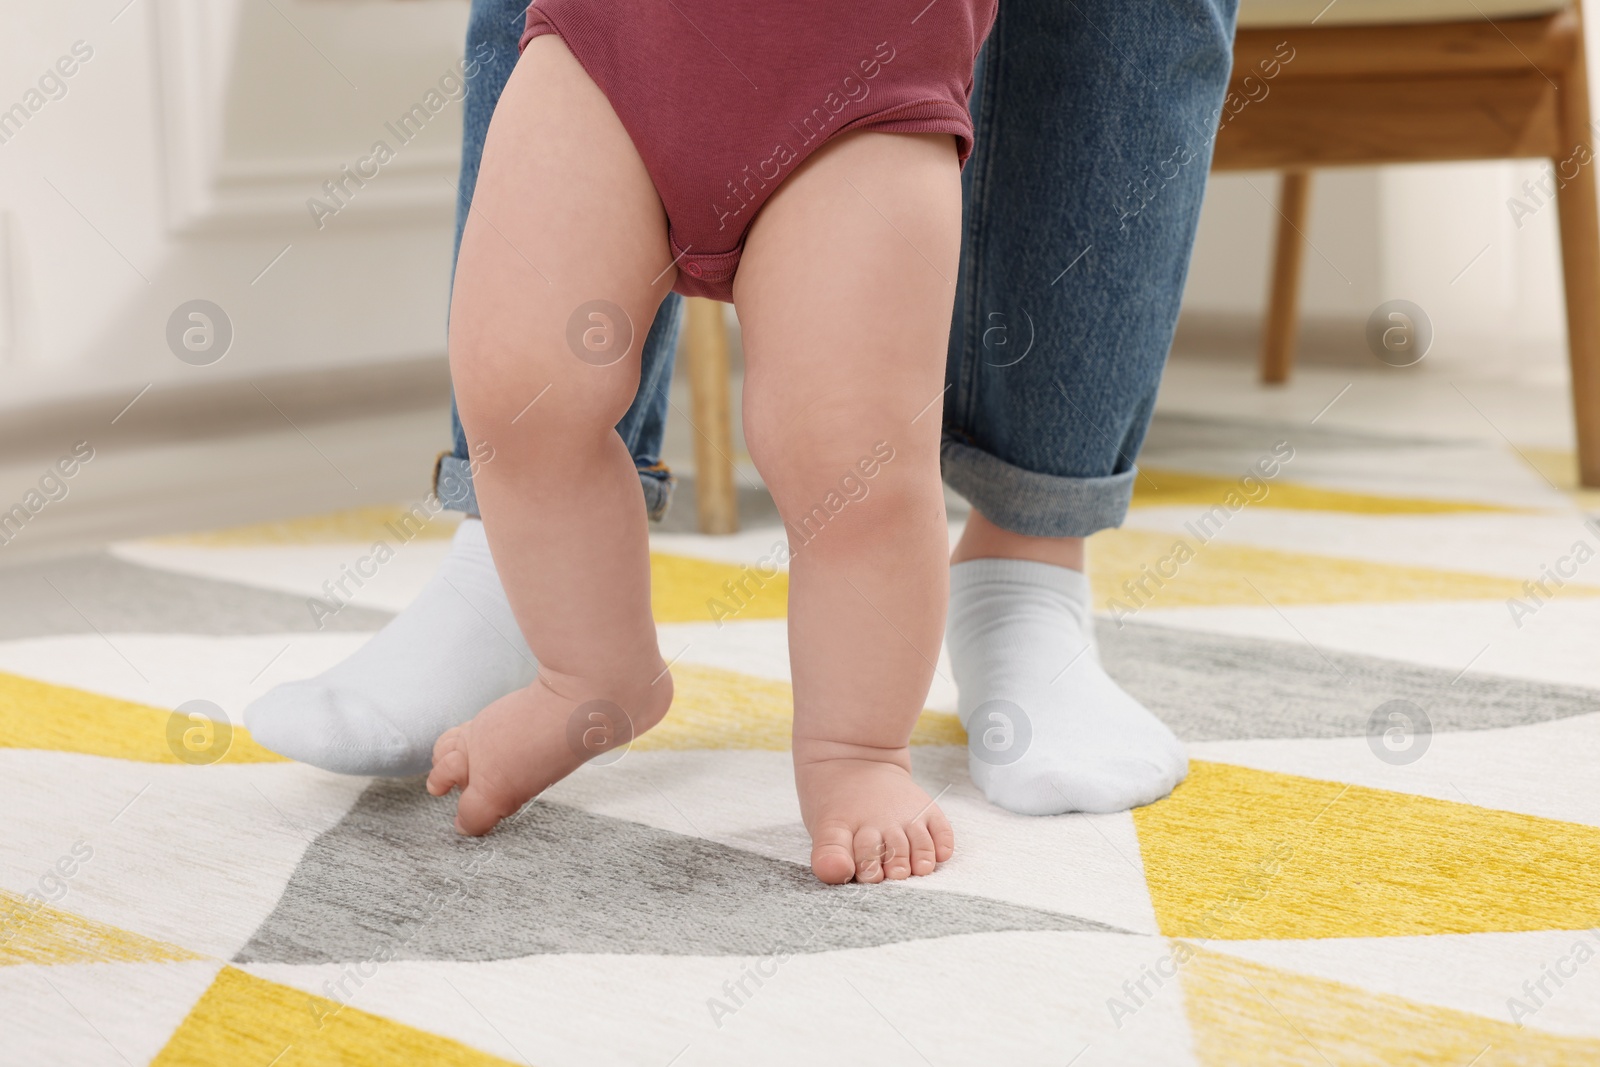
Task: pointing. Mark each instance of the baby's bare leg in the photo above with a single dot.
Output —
(844, 295)
(564, 215)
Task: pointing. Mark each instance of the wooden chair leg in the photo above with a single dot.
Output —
(706, 345)
(1580, 263)
(1283, 299)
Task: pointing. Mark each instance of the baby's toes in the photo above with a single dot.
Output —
(449, 765)
(923, 858)
(869, 854)
(832, 860)
(896, 854)
(448, 741)
(944, 838)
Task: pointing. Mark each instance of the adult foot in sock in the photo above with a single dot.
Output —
(455, 649)
(1049, 731)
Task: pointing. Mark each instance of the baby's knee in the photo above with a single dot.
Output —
(873, 487)
(541, 391)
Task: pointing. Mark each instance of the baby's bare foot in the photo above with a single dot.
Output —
(868, 819)
(527, 741)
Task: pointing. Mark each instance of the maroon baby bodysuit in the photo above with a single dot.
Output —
(725, 98)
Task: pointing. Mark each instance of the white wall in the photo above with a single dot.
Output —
(178, 165)
(179, 162)
(1440, 235)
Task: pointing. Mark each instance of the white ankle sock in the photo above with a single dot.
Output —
(451, 652)
(1045, 737)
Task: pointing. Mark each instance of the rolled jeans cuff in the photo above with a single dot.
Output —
(452, 483)
(1033, 504)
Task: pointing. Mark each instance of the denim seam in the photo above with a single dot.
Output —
(966, 399)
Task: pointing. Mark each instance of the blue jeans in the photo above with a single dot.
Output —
(493, 30)
(1095, 120)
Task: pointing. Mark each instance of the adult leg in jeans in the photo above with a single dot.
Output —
(1096, 120)
(1095, 124)
(456, 647)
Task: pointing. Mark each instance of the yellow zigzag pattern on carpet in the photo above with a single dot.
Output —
(1163, 488)
(1230, 574)
(683, 587)
(34, 932)
(1155, 487)
(363, 524)
(1292, 857)
(56, 717)
(714, 708)
(1559, 467)
(1246, 1014)
(245, 1019)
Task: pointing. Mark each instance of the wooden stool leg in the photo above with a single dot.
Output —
(1580, 264)
(706, 345)
(1283, 299)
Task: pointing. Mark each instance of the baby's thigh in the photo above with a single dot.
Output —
(844, 295)
(564, 221)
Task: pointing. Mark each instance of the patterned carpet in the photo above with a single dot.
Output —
(1387, 851)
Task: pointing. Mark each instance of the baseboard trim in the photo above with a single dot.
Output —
(171, 413)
